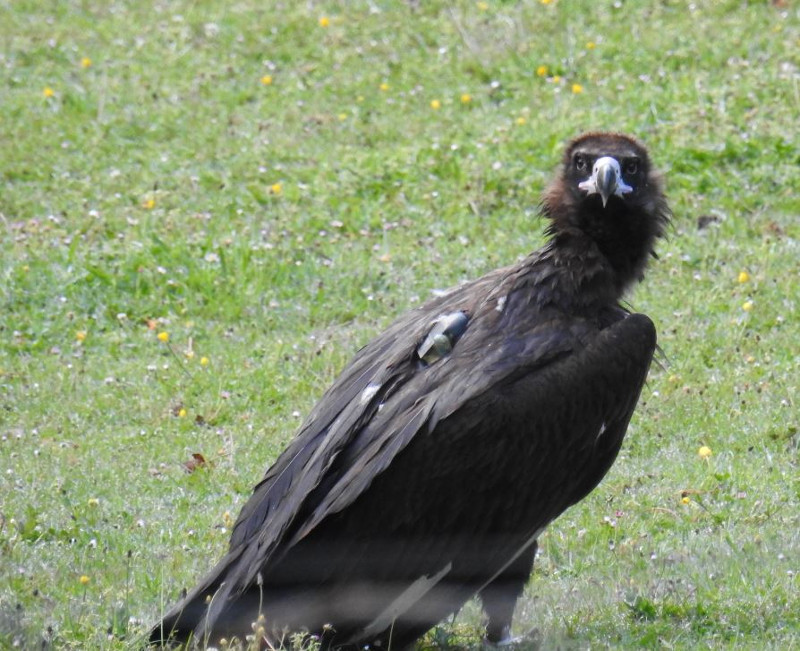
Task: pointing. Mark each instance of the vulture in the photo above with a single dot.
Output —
(426, 472)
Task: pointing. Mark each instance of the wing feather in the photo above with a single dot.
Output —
(338, 416)
(364, 439)
(347, 442)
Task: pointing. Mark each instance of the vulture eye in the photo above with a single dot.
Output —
(632, 166)
(580, 162)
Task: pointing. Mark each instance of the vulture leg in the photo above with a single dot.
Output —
(500, 596)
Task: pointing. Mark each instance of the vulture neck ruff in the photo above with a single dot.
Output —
(605, 241)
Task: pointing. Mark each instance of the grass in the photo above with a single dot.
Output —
(270, 189)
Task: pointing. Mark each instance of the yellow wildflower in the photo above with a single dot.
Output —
(483, 6)
(685, 499)
(704, 452)
(84, 580)
(182, 413)
(324, 21)
(556, 79)
(163, 337)
(80, 336)
(384, 86)
(747, 306)
(86, 62)
(48, 92)
(521, 120)
(266, 80)
(591, 45)
(542, 71)
(577, 88)
(276, 188)
(436, 104)
(743, 277)
(149, 204)
(93, 502)
(466, 98)
(204, 361)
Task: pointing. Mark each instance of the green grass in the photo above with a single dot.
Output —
(274, 228)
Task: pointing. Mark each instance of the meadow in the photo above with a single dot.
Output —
(207, 208)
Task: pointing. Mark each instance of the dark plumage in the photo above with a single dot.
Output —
(414, 485)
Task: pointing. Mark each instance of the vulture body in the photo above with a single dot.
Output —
(426, 472)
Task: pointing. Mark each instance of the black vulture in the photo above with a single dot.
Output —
(427, 471)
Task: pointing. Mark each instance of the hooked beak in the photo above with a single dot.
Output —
(606, 182)
(606, 179)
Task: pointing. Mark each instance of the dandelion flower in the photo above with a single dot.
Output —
(266, 80)
(384, 87)
(466, 98)
(86, 62)
(704, 452)
(163, 336)
(276, 188)
(80, 336)
(48, 92)
(483, 6)
(342, 117)
(149, 204)
(545, 2)
(436, 104)
(542, 71)
(743, 277)
(521, 120)
(686, 499)
(747, 306)
(324, 21)
(93, 502)
(556, 79)
(577, 89)
(182, 413)
(591, 45)
(84, 580)
(204, 361)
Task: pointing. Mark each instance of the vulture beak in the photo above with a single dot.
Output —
(606, 179)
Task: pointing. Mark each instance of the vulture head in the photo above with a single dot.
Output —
(607, 194)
